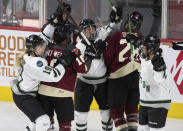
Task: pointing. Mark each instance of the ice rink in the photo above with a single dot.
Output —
(12, 119)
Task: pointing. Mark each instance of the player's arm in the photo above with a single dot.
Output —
(177, 45)
(115, 19)
(80, 64)
(159, 68)
(39, 69)
(174, 45)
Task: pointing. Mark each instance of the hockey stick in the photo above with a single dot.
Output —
(178, 1)
(130, 32)
(74, 22)
(112, 5)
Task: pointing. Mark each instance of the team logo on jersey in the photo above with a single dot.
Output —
(39, 63)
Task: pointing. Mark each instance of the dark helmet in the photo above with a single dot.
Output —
(136, 20)
(85, 23)
(66, 6)
(152, 44)
(34, 40)
(62, 33)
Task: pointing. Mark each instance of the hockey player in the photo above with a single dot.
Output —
(154, 89)
(123, 64)
(33, 68)
(93, 83)
(58, 96)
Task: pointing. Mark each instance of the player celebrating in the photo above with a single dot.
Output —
(123, 64)
(58, 96)
(154, 90)
(93, 83)
(33, 68)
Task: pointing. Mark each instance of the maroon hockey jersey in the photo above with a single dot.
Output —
(68, 80)
(118, 56)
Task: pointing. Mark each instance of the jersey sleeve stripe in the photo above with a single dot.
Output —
(55, 73)
(58, 72)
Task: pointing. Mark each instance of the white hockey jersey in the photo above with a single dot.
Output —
(34, 70)
(97, 71)
(154, 87)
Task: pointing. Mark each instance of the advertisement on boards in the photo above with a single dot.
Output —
(12, 43)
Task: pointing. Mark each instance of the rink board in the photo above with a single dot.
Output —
(175, 112)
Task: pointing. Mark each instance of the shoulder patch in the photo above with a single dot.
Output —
(39, 63)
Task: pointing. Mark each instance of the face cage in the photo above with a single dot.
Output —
(133, 24)
(141, 54)
(149, 52)
(44, 54)
(92, 36)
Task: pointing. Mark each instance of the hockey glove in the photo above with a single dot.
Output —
(131, 38)
(67, 58)
(158, 63)
(177, 45)
(100, 46)
(115, 17)
(56, 19)
(90, 53)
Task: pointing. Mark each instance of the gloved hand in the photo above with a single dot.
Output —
(66, 7)
(131, 38)
(100, 46)
(158, 63)
(67, 58)
(116, 16)
(177, 45)
(56, 19)
(90, 52)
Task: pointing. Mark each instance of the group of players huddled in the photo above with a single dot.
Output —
(106, 65)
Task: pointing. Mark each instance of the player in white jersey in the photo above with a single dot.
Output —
(32, 69)
(154, 90)
(93, 83)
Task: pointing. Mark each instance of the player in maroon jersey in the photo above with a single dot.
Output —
(123, 63)
(58, 96)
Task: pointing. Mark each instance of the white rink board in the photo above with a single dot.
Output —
(174, 62)
(12, 42)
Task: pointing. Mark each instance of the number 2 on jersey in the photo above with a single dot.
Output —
(124, 51)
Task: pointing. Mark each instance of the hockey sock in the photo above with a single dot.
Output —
(65, 126)
(132, 115)
(117, 114)
(107, 122)
(81, 120)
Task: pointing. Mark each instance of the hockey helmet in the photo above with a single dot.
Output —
(135, 20)
(62, 33)
(152, 45)
(66, 6)
(32, 42)
(86, 24)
